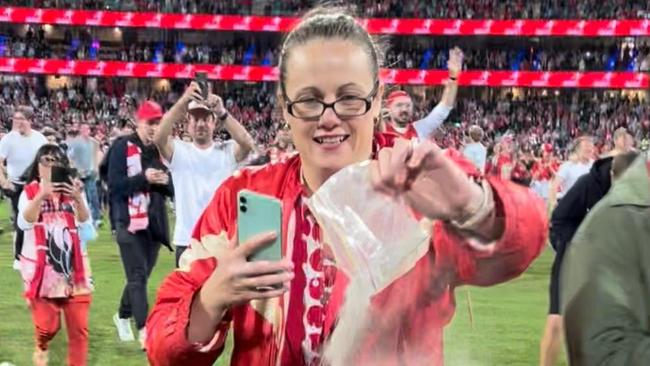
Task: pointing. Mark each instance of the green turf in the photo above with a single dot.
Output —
(508, 319)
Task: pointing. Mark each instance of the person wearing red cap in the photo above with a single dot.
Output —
(400, 105)
(138, 184)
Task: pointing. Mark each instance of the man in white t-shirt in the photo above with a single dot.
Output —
(199, 167)
(18, 149)
(579, 165)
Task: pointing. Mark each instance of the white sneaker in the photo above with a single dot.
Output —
(142, 337)
(123, 329)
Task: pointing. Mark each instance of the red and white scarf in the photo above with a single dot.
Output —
(64, 209)
(139, 201)
(310, 292)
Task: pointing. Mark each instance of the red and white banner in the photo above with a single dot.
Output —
(442, 27)
(562, 79)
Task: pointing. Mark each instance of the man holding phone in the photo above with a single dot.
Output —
(199, 167)
(138, 184)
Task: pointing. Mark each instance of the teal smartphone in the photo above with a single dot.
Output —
(259, 214)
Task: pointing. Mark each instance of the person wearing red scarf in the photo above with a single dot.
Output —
(53, 266)
(483, 230)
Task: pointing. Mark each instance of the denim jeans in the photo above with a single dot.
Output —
(90, 188)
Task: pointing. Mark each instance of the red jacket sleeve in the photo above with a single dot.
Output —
(167, 324)
(484, 264)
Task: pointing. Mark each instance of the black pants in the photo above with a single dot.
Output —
(554, 285)
(139, 254)
(179, 252)
(14, 196)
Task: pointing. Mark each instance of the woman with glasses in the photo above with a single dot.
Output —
(484, 231)
(54, 267)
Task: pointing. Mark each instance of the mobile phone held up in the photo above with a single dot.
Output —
(201, 78)
(260, 214)
(61, 175)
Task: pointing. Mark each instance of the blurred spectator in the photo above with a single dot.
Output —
(83, 151)
(474, 151)
(623, 142)
(543, 171)
(578, 164)
(50, 135)
(18, 149)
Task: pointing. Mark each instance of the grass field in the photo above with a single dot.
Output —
(508, 319)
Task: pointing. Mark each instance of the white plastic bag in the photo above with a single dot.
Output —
(370, 233)
(375, 239)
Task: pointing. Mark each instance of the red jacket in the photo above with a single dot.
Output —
(412, 326)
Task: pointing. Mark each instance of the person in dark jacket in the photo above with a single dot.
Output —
(138, 186)
(565, 220)
(605, 282)
(103, 177)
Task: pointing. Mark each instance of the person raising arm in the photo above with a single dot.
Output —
(244, 143)
(198, 167)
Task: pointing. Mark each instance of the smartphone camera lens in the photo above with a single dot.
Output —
(242, 200)
(243, 208)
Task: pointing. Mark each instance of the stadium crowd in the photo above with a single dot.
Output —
(106, 109)
(531, 120)
(456, 9)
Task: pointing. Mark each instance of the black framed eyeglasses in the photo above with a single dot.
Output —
(312, 109)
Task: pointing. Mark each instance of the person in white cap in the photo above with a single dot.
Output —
(199, 167)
